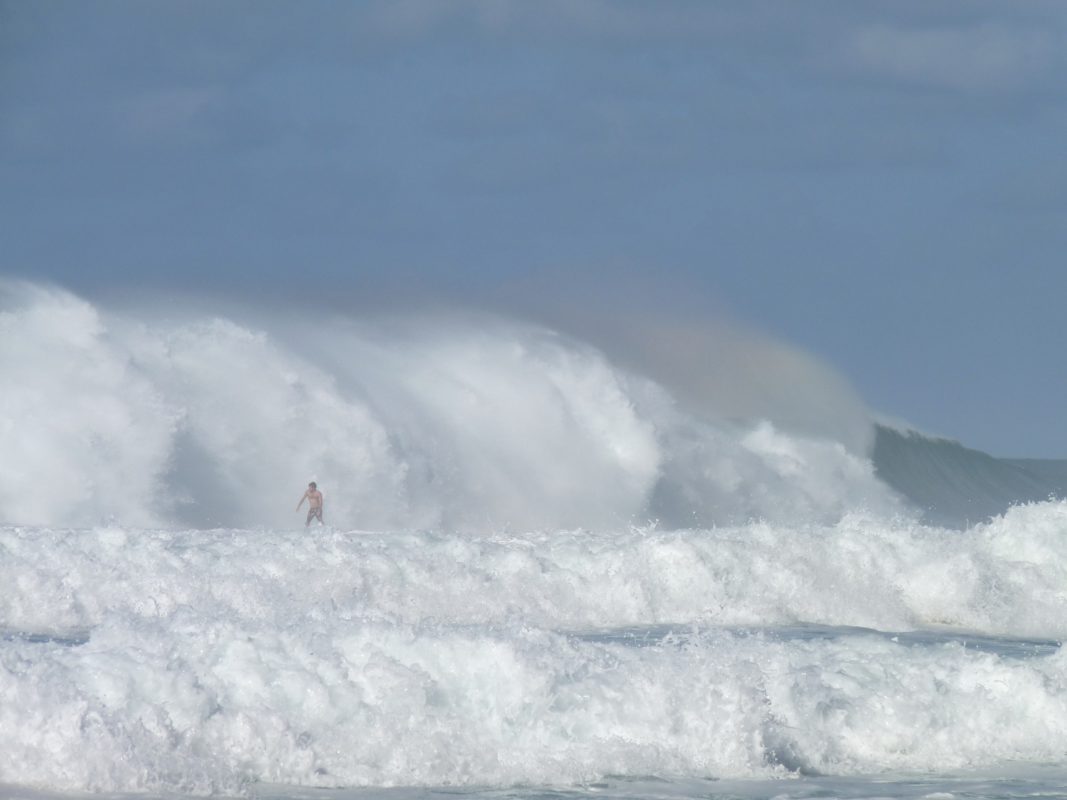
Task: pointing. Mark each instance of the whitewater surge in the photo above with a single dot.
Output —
(218, 707)
(212, 661)
(541, 570)
(1006, 577)
(446, 422)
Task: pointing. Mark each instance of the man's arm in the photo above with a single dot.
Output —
(302, 499)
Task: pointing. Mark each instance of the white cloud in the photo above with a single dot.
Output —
(979, 58)
(599, 18)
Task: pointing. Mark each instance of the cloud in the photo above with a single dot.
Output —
(976, 58)
(601, 20)
(968, 46)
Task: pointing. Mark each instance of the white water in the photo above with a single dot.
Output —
(1007, 577)
(479, 424)
(202, 661)
(492, 605)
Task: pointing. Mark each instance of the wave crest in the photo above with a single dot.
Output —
(477, 423)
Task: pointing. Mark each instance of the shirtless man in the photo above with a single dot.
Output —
(314, 498)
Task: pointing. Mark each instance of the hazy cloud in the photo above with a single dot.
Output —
(979, 58)
(624, 19)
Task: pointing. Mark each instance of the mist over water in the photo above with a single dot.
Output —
(659, 560)
(456, 421)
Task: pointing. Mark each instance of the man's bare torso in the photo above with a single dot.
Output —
(314, 497)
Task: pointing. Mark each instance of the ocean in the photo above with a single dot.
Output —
(541, 577)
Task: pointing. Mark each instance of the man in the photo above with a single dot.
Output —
(314, 498)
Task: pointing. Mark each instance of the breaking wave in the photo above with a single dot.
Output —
(216, 661)
(541, 569)
(455, 422)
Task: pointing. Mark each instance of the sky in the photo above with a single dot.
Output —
(882, 184)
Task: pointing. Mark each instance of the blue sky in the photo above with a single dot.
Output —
(881, 183)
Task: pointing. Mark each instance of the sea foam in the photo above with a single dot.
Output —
(540, 570)
(210, 661)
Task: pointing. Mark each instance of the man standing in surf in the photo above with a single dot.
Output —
(314, 498)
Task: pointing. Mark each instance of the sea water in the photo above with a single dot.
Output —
(544, 576)
(861, 659)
